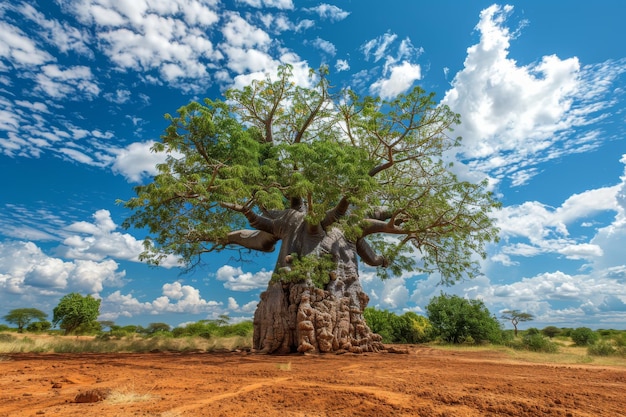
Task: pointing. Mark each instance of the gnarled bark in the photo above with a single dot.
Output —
(297, 316)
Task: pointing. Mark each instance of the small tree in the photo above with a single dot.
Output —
(39, 326)
(21, 317)
(551, 331)
(107, 323)
(74, 310)
(154, 328)
(457, 320)
(516, 317)
(584, 336)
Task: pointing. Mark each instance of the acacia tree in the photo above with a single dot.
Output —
(516, 317)
(332, 177)
(21, 317)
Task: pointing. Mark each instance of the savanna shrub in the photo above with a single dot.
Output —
(584, 336)
(602, 348)
(537, 343)
(455, 319)
(551, 331)
(7, 338)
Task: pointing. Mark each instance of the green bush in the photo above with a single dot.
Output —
(602, 348)
(551, 331)
(7, 338)
(535, 342)
(39, 326)
(584, 336)
(455, 320)
(407, 328)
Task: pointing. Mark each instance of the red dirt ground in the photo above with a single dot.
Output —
(425, 382)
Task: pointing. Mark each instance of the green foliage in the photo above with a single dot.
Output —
(316, 268)
(154, 328)
(277, 146)
(7, 338)
(538, 343)
(551, 331)
(584, 336)
(214, 328)
(74, 311)
(602, 348)
(21, 317)
(407, 328)
(455, 320)
(39, 326)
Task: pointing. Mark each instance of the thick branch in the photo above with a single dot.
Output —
(253, 239)
(258, 222)
(367, 254)
(379, 226)
(336, 212)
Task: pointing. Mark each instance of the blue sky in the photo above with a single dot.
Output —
(84, 85)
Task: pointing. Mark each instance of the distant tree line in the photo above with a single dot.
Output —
(449, 319)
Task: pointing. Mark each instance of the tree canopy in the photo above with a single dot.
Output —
(458, 320)
(22, 317)
(516, 317)
(370, 168)
(74, 311)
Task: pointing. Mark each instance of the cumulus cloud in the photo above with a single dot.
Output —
(516, 116)
(342, 65)
(175, 298)
(543, 229)
(399, 72)
(137, 161)
(236, 280)
(27, 271)
(400, 79)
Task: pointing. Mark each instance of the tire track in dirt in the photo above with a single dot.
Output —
(243, 390)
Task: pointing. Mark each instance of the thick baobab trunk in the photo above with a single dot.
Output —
(299, 317)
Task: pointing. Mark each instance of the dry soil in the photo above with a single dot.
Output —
(424, 382)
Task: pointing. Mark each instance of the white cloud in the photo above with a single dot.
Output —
(546, 229)
(328, 12)
(515, 116)
(279, 4)
(19, 49)
(176, 298)
(28, 271)
(73, 83)
(342, 65)
(237, 280)
(325, 46)
(239, 33)
(98, 240)
(377, 48)
(400, 79)
(137, 161)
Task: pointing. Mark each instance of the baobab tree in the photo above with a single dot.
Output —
(330, 177)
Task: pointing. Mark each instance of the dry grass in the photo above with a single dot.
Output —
(567, 354)
(127, 395)
(40, 343)
(284, 366)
